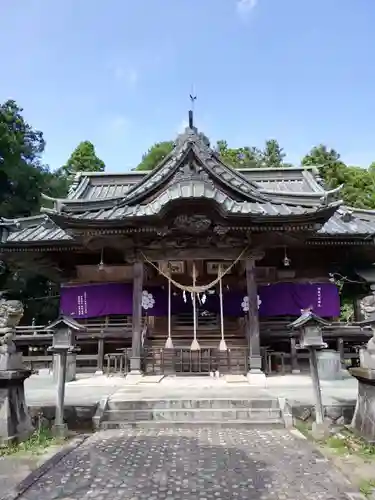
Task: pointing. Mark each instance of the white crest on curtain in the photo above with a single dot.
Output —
(148, 300)
(245, 303)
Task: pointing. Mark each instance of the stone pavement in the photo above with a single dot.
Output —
(192, 463)
(41, 390)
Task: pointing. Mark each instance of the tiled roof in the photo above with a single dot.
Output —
(347, 222)
(33, 229)
(91, 186)
(196, 191)
(95, 186)
(360, 224)
(193, 172)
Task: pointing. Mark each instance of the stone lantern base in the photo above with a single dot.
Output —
(364, 415)
(15, 421)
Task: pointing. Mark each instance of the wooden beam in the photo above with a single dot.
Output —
(198, 254)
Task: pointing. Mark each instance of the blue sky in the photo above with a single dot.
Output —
(119, 73)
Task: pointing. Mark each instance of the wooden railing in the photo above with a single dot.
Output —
(184, 361)
(46, 361)
(119, 325)
(107, 327)
(117, 363)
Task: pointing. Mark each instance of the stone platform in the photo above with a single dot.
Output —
(83, 395)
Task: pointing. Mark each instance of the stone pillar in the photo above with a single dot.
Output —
(293, 356)
(71, 367)
(135, 360)
(255, 375)
(340, 349)
(100, 364)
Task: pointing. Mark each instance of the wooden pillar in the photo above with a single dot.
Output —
(293, 356)
(135, 360)
(255, 359)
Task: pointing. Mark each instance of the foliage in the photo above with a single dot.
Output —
(36, 444)
(367, 488)
(21, 172)
(83, 159)
(155, 155)
(23, 178)
(346, 312)
(273, 154)
(358, 184)
(239, 157)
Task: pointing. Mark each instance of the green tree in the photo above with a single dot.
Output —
(273, 154)
(23, 178)
(328, 161)
(83, 159)
(246, 157)
(358, 184)
(155, 155)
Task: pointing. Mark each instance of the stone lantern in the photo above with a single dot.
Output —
(63, 347)
(364, 414)
(15, 421)
(309, 327)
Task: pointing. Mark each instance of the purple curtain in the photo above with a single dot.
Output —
(279, 299)
(102, 299)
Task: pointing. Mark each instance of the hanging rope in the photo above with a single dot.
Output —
(194, 288)
(223, 344)
(169, 343)
(195, 344)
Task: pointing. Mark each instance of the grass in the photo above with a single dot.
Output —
(36, 444)
(367, 487)
(351, 453)
(304, 427)
(348, 443)
(344, 442)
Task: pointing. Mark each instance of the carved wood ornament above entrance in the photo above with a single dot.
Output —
(192, 224)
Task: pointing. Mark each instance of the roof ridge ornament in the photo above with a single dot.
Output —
(193, 98)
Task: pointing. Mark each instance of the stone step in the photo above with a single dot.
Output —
(192, 414)
(119, 402)
(269, 423)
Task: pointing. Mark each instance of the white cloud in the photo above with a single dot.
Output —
(244, 7)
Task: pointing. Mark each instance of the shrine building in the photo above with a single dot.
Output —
(195, 267)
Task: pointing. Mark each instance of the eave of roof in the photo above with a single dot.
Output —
(228, 208)
(32, 231)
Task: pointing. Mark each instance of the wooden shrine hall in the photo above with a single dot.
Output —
(196, 266)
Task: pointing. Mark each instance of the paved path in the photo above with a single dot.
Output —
(192, 463)
(88, 390)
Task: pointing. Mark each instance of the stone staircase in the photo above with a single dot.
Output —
(119, 412)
